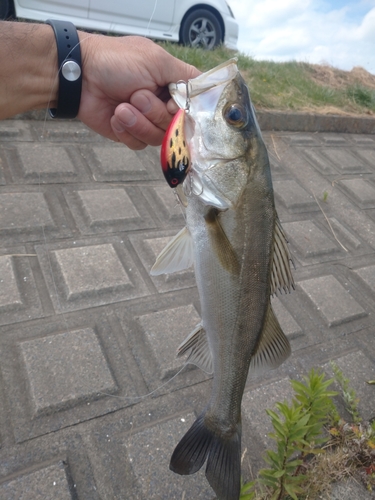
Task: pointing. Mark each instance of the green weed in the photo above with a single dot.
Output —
(314, 445)
(289, 85)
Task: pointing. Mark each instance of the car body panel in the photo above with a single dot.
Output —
(160, 20)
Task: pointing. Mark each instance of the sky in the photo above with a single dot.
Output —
(335, 32)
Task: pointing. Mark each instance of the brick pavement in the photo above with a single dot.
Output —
(86, 332)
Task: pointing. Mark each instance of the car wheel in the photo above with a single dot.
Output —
(6, 9)
(201, 28)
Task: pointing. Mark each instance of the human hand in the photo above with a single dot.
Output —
(124, 90)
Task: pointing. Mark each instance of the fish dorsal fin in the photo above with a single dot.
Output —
(178, 255)
(220, 243)
(196, 344)
(281, 277)
(273, 348)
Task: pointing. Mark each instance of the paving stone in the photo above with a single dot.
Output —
(149, 453)
(288, 324)
(109, 210)
(92, 373)
(294, 197)
(257, 401)
(345, 161)
(19, 299)
(103, 205)
(159, 327)
(362, 192)
(18, 130)
(41, 162)
(64, 131)
(368, 155)
(83, 276)
(49, 483)
(65, 368)
(330, 298)
(10, 297)
(367, 276)
(301, 139)
(344, 235)
(333, 139)
(89, 275)
(358, 369)
(363, 139)
(350, 489)
(24, 212)
(148, 248)
(309, 240)
(319, 162)
(165, 205)
(119, 163)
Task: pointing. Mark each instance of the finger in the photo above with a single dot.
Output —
(130, 141)
(152, 107)
(126, 137)
(128, 120)
(172, 107)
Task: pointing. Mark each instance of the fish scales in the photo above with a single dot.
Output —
(230, 235)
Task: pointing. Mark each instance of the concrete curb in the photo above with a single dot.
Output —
(303, 122)
(282, 121)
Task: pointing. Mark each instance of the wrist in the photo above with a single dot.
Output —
(29, 68)
(69, 69)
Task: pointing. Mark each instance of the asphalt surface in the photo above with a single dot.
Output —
(86, 333)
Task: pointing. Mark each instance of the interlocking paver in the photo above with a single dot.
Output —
(332, 300)
(88, 338)
(309, 240)
(64, 369)
(49, 483)
(294, 197)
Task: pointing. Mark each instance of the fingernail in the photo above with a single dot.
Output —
(126, 118)
(142, 103)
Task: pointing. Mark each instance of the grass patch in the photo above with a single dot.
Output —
(313, 445)
(292, 86)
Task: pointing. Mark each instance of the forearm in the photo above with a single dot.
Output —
(28, 68)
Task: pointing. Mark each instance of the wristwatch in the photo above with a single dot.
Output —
(70, 69)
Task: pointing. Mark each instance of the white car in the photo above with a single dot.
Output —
(206, 24)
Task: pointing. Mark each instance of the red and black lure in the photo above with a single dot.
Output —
(174, 155)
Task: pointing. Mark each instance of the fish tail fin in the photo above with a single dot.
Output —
(223, 456)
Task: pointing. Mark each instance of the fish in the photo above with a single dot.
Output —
(234, 239)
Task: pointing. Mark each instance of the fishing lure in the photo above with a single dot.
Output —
(174, 155)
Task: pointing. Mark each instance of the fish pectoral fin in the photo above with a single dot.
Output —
(281, 277)
(220, 243)
(178, 255)
(273, 348)
(196, 345)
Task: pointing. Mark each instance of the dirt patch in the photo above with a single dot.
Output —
(338, 79)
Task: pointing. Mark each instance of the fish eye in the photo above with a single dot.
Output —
(234, 114)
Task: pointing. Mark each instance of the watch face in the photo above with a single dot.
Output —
(71, 71)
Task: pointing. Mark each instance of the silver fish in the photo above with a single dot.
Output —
(235, 241)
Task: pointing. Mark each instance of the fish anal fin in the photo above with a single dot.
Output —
(196, 345)
(223, 454)
(281, 277)
(273, 347)
(220, 243)
(178, 255)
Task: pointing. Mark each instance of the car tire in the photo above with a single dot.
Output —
(201, 28)
(6, 9)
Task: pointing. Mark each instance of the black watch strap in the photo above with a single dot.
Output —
(70, 69)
